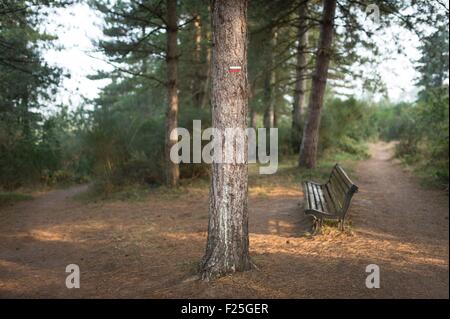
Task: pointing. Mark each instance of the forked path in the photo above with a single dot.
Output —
(148, 248)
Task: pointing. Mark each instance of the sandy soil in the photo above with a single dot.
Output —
(151, 249)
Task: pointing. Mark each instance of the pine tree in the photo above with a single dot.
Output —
(310, 140)
(228, 242)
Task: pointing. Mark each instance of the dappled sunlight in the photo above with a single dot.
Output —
(337, 245)
(38, 235)
(348, 247)
(44, 235)
(25, 278)
(70, 232)
(275, 191)
(189, 236)
(10, 264)
(278, 227)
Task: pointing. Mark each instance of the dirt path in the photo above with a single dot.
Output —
(407, 224)
(150, 248)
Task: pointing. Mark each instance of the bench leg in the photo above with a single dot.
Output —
(319, 224)
(341, 224)
(316, 226)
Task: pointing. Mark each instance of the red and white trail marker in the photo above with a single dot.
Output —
(234, 69)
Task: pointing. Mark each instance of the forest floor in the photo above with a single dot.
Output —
(151, 248)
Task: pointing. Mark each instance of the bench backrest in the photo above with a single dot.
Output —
(339, 190)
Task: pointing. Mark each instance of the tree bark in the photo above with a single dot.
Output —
(308, 150)
(300, 81)
(172, 169)
(228, 244)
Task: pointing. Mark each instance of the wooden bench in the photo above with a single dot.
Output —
(330, 200)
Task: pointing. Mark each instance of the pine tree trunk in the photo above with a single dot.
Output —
(25, 118)
(253, 118)
(268, 117)
(300, 81)
(308, 151)
(197, 86)
(172, 169)
(269, 82)
(227, 243)
(207, 74)
(252, 108)
(276, 96)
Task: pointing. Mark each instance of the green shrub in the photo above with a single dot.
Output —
(346, 125)
(422, 131)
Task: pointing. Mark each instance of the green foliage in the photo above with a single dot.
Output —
(422, 132)
(53, 154)
(346, 125)
(392, 120)
(423, 128)
(125, 151)
(126, 141)
(289, 174)
(26, 82)
(120, 141)
(433, 65)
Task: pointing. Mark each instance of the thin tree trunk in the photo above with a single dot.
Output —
(172, 169)
(26, 123)
(253, 117)
(253, 113)
(300, 82)
(276, 96)
(197, 86)
(308, 151)
(269, 83)
(227, 243)
(268, 112)
(207, 73)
